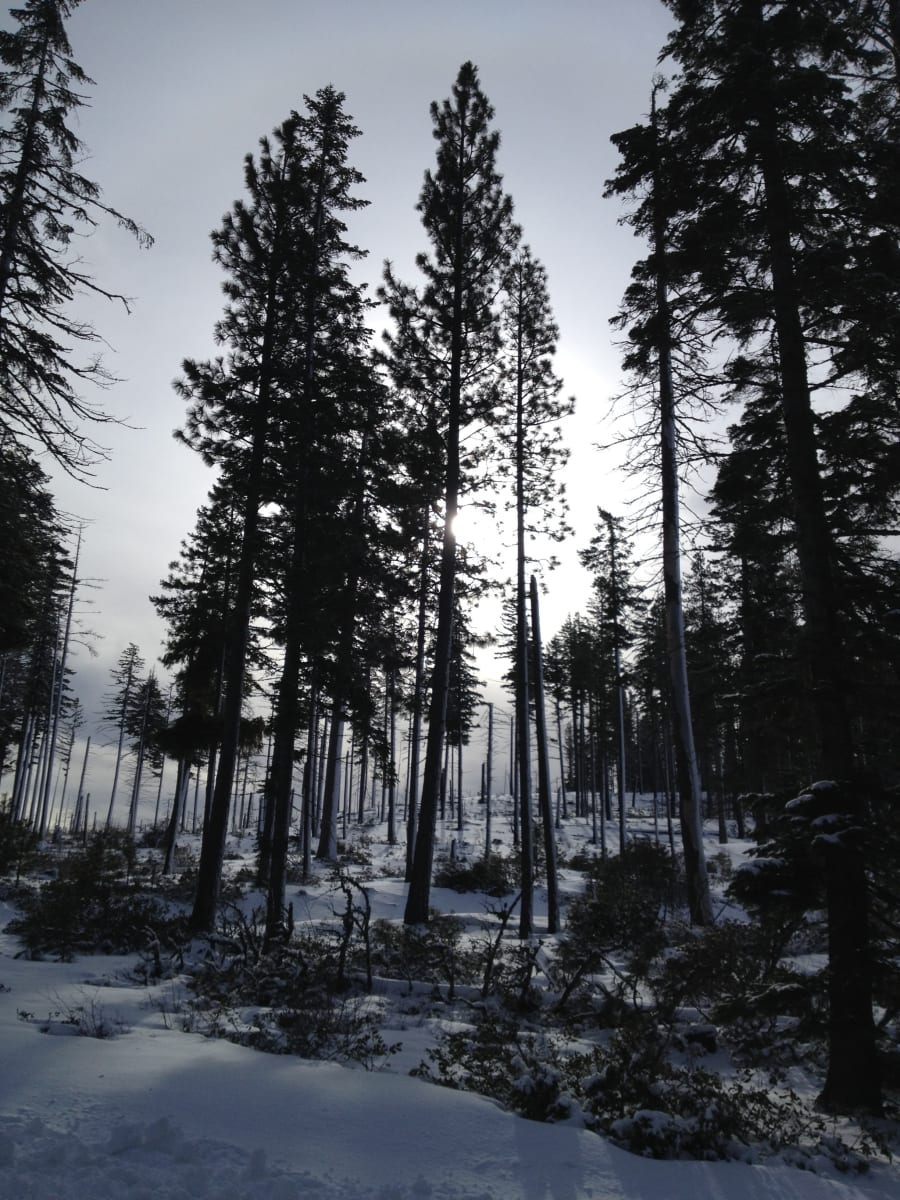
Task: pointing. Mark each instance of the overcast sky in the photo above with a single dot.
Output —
(185, 88)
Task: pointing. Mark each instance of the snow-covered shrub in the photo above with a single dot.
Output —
(355, 853)
(18, 844)
(638, 1096)
(622, 910)
(494, 876)
(334, 1028)
(90, 1019)
(285, 998)
(95, 905)
(435, 953)
(525, 1072)
(627, 898)
(633, 1091)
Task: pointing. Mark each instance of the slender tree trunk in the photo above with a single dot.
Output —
(328, 829)
(419, 895)
(562, 758)
(54, 728)
(488, 783)
(415, 731)
(279, 788)
(138, 767)
(460, 812)
(685, 752)
(40, 795)
(620, 687)
(363, 778)
(544, 796)
(23, 755)
(122, 719)
(321, 772)
(80, 813)
(182, 782)
(392, 741)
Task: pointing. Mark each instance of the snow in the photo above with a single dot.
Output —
(154, 1113)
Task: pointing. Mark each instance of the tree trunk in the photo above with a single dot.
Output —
(526, 903)
(279, 789)
(392, 739)
(685, 752)
(543, 749)
(138, 766)
(328, 830)
(854, 1078)
(415, 735)
(182, 783)
(54, 730)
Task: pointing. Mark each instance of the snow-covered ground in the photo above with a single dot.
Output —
(154, 1113)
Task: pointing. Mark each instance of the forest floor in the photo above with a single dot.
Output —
(112, 1087)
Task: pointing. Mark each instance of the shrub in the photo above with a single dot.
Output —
(88, 1019)
(621, 910)
(632, 1092)
(494, 876)
(18, 844)
(286, 998)
(90, 908)
(523, 1071)
(626, 898)
(435, 953)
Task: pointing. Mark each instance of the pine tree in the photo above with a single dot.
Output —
(468, 220)
(253, 413)
(146, 721)
(44, 202)
(536, 456)
(772, 207)
(119, 711)
(750, 502)
(30, 533)
(328, 448)
(617, 602)
(654, 339)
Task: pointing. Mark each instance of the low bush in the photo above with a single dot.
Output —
(435, 954)
(621, 912)
(92, 908)
(18, 844)
(523, 1071)
(494, 876)
(632, 1091)
(286, 998)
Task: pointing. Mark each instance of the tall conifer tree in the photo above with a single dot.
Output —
(44, 200)
(536, 455)
(272, 247)
(452, 321)
(771, 206)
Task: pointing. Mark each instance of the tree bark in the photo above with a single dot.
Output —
(545, 799)
(854, 1079)
(687, 773)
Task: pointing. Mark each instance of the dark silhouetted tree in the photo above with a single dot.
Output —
(44, 202)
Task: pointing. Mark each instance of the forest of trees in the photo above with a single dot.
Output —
(321, 614)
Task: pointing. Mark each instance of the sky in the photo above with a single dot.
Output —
(185, 88)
